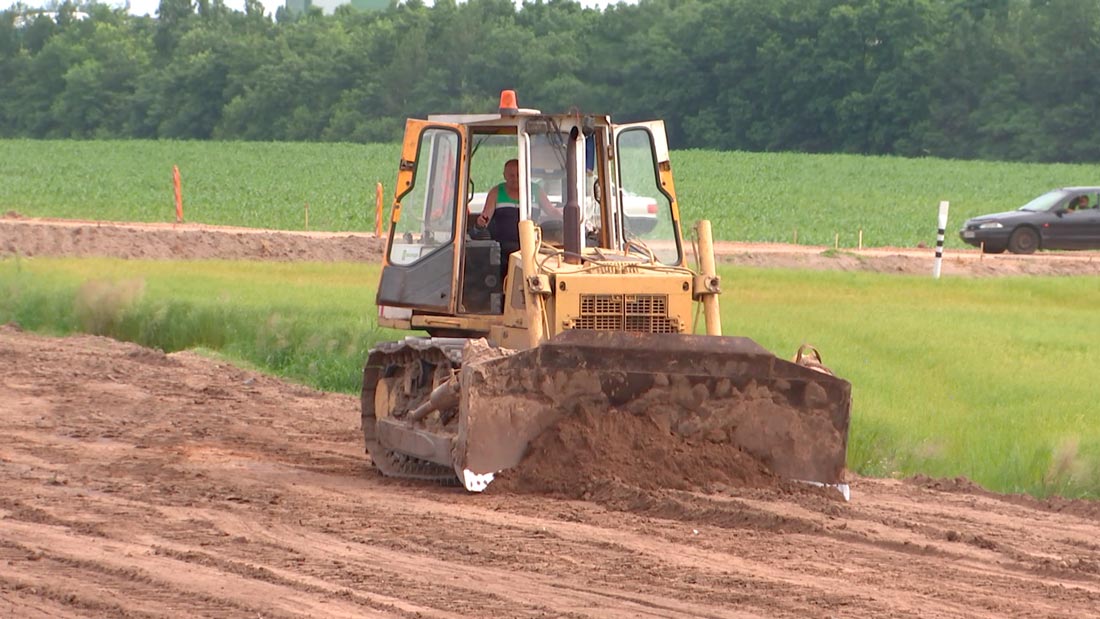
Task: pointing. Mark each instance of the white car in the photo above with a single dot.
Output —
(640, 212)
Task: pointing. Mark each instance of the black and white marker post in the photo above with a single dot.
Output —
(939, 239)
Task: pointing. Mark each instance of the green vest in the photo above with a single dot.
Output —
(504, 200)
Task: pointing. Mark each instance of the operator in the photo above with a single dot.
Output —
(1079, 203)
(501, 212)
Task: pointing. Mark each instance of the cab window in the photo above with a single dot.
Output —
(428, 207)
(646, 210)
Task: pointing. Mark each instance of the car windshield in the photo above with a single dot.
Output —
(1045, 201)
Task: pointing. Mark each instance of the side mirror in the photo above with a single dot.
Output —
(1060, 211)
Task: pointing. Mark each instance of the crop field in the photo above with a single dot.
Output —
(775, 197)
(252, 184)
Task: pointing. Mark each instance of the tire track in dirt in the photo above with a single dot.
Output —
(153, 583)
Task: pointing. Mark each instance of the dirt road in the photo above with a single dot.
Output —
(137, 484)
(44, 237)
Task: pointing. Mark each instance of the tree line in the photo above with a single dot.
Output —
(974, 79)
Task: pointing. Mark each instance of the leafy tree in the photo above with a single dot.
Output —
(99, 86)
(998, 79)
(173, 18)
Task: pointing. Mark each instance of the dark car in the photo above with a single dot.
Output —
(1066, 218)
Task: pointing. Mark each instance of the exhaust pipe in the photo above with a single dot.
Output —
(571, 212)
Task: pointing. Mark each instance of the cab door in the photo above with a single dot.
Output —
(422, 252)
(646, 194)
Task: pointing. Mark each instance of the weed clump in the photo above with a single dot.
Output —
(100, 305)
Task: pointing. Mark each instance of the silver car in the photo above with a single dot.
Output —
(1065, 218)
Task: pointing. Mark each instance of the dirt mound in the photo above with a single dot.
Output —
(28, 236)
(1082, 508)
(650, 412)
(25, 237)
(908, 261)
(591, 452)
(945, 484)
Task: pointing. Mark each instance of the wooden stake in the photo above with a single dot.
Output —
(179, 193)
(861, 239)
(796, 236)
(836, 241)
(307, 215)
(378, 209)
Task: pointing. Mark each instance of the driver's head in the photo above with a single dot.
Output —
(511, 175)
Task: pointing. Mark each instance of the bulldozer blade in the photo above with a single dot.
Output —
(790, 418)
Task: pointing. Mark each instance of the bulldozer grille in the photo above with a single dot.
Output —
(639, 313)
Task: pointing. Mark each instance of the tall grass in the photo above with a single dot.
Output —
(984, 378)
(748, 196)
(987, 378)
(309, 322)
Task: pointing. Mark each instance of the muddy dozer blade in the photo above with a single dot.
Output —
(726, 390)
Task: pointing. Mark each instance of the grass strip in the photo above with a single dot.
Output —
(311, 323)
(985, 378)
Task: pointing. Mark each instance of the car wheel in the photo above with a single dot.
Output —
(1023, 241)
(993, 249)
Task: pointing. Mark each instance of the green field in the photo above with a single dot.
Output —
(253, 184)
(985, 378)
(748, 196)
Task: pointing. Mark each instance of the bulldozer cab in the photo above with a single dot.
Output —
(445, 274)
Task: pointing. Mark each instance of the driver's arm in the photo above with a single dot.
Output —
(547, 205)
(487, 210)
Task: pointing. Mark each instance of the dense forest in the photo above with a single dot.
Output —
(975, 79)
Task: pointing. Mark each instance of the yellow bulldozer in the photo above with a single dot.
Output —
(595, 307)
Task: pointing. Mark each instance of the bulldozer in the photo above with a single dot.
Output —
(597, 309)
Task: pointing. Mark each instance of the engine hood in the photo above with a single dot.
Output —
(1005, 216)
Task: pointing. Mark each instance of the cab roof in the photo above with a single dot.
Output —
(512, 120)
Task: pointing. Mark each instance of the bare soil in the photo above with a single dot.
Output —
(139, 484)
(51, 237)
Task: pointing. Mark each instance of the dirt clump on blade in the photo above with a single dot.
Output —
(590, 449)
(575, 413)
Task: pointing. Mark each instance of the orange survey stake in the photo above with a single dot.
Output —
(378, 209)
(179, 193)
